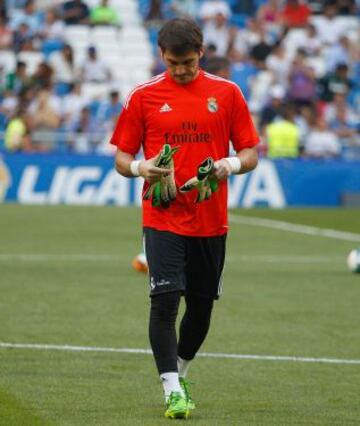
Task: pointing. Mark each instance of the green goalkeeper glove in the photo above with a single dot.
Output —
(163, 191)
(204, 181)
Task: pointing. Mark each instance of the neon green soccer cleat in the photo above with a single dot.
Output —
(177, 407)
(185, 387)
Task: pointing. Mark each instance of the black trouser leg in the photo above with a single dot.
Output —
(162, 330)
(194, 325)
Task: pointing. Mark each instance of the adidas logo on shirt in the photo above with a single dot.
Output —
(165, 108)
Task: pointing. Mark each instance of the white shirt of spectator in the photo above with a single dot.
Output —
(279, 66)
(322, 144)
(218, 36)
(54, 31)
(210, 8)
(63, 72)
(95, 71)
(329, 30)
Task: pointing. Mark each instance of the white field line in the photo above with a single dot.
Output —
(71, 348)
(23, 257)
(41, 257)
(293, 227)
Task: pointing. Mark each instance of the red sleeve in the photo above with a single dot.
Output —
(129, 130)
(243, 133)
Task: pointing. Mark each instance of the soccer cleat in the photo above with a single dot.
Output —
(185, 387)
(177, 407)
(139, 263)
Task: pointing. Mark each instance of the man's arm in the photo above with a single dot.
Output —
(244, 161)
(127, 166)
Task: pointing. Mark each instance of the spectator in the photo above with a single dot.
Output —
(328, 27)
(22, 39)
(185, 8)
(321, 143)
(219, 33)
(310, 42)
(104, 14)
(304, 119)
(17, 80)
(295, 14)
(346, 7)
(72, 104)
(109, 111)
(42, 76)
(278, 63)
(87, 133)
(53, 28)
(210, 8)
(44, 118)
(9, 104)
(27, 16)
(155, 14)
(16, 134)
(338, 53)
(5, 34)
(75, 12)
(344, 128)
(62, 63)
(269, 14)
(337, 82)
(273, 109)
(283, 135)
(261, 50)
(339, 101)
(302, 82)
(94, 70)
(259, 88)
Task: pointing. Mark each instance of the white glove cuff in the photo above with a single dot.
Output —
(235, 164)
(135, 167)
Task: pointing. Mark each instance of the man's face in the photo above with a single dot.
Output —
(183, 68)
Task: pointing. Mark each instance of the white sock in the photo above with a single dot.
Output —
(183, 366)
(170, 382)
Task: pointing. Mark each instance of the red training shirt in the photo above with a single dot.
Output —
(201, 117)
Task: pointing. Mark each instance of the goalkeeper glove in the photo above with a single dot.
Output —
(163, 191)
(204, 181)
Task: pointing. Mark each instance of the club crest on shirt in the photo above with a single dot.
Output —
(212, 105)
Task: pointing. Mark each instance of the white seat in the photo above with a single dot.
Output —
(104, 34)
(8, 60)
(77, 33)
(93, 91)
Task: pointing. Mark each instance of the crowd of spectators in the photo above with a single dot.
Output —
(297, 63)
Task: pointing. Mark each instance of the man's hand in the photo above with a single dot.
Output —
(159, 172)
(205, 182)
(150, 172)
(222, 169)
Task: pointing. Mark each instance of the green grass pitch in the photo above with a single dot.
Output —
(285, 294)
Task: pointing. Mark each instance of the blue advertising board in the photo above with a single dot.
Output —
(92, 180)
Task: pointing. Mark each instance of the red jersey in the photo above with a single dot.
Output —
(201, 118)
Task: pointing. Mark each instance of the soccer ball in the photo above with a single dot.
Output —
(353, 260)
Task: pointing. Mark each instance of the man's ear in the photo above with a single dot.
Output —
(201, 52)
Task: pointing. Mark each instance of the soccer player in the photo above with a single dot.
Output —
(185, 242)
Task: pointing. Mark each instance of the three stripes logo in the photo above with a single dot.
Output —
(165, 108)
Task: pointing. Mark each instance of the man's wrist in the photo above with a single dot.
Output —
(135, 168)
(235, 164)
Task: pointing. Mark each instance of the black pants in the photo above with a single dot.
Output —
(178, 265)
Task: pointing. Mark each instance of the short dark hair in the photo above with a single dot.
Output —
(180, 36)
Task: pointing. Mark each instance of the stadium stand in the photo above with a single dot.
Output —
(306, 51)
